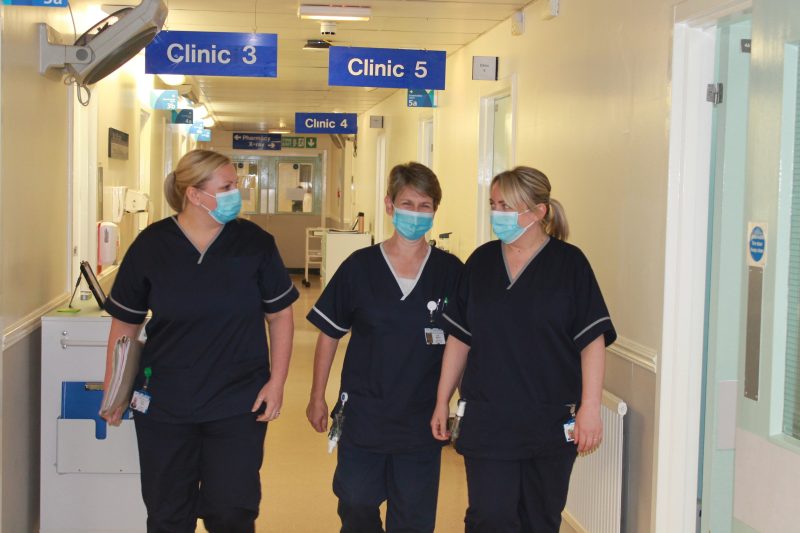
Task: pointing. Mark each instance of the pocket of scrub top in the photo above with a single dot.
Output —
(363, 421)
(482, 427)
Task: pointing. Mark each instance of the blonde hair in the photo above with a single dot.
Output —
(527, 187)
(416, 176)
(193, 170)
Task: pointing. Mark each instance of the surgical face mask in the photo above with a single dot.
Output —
(505, 225)
(229, 203)
(412, 225)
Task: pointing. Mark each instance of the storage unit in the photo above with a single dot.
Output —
(336, 247)
(89, 470)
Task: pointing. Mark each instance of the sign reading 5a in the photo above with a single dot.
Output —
(326, 122)
(39, 3)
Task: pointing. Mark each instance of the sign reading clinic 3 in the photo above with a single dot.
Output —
(386, 67)
(213, 54)
(325, 122)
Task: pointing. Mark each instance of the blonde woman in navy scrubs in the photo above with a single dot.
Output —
(390, 298)
(213, 382)
(528, 331)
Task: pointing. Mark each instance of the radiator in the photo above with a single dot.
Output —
(594, 503)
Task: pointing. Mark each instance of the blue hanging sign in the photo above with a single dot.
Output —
(40, 3)
(421, 98)
(164, 99)
(213, 54)
(325, 122)
(204, 136)
(386, 67)
(183, 116)
(256, 141)
(196, 128)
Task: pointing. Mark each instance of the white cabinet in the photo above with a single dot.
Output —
(336, 247)
(89, 470)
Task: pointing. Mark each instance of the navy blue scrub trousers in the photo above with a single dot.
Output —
(525, 496)
(208, 470)
(408, 482)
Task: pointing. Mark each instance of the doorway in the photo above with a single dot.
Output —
(380, 188)
(496, 153)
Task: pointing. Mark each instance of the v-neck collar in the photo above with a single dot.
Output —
(201, 252)
(397, 278)
(524, 267)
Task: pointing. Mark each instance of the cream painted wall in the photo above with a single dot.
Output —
(592, 112)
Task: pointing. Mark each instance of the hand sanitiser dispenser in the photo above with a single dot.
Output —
(107, 243)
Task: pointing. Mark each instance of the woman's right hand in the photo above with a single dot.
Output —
(114, 418)
(317, 414)
(439, 420)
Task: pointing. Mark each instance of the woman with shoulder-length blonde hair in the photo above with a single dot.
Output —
(208, 380)
(528, 330)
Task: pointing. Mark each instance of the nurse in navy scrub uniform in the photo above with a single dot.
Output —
(527, 336)
(209, 378)
(390, 298)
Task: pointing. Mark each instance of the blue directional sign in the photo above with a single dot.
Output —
(325, 122)
(196, 128)
(213, 54)
(183, 116)
(164, 99)
(256, 141)
(40, 3)
(204, 136)
(386, 67)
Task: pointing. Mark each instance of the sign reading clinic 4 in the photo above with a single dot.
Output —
(386, 67)
(325, 122)
(213, 54)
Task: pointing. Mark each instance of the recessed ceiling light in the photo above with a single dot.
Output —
(316, 44)
(172, 79)
(282, 131)
(317, 12)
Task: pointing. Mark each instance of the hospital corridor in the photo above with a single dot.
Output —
(560, 239)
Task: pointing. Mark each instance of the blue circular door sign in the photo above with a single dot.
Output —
(757, 244)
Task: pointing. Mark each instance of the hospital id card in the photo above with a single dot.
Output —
(434, 337)
(140, 401)
(569, 430)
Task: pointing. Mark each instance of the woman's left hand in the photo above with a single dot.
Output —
(588, 428)
(270, 394)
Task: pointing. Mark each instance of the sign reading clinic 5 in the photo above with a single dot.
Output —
(325, 122)
(213, 54)
(386, 67)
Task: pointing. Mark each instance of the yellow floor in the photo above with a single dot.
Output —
(297, 472)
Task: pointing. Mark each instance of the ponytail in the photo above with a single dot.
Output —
(171, 194)
(555, 222)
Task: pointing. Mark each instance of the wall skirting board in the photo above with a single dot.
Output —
(636, 353)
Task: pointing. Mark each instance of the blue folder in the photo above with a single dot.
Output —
(81, 400)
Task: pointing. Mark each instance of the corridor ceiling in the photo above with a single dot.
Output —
(257, 104)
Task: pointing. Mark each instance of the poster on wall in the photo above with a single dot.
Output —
(117, 144)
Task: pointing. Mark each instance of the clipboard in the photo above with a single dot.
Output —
(94, 285)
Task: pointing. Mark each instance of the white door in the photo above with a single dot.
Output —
(380, 188)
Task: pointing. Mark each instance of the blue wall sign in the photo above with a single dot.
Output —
(196, 128)
(386, 67)
(421, 98)
(164, 99)
(204, 136)
(183, 116)
(757, 244)
(325, 122)
(40, 3)
(256, 141)
(213, 54)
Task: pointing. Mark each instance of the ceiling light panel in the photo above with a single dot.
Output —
(317, 12)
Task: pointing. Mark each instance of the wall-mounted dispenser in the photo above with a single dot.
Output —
(114, 203)
(107, 243)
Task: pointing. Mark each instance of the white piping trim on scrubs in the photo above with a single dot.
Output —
(328, 320)
(456, 324)
(590, 326)
(521, 270)
(126, 308)
(279, 297)
(397, 278)
(201, 252)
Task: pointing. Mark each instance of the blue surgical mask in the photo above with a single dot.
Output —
(412, 225)
(229, 203)
(505, 225)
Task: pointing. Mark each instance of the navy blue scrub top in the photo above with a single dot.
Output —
(206, 340)
(525, 337)
(390, 373)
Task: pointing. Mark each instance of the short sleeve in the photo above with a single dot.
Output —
(592, 318)
(333, 312)
(130, 293)
(277, 290)
(455, 314)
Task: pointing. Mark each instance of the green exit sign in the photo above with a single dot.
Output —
(298, 142)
